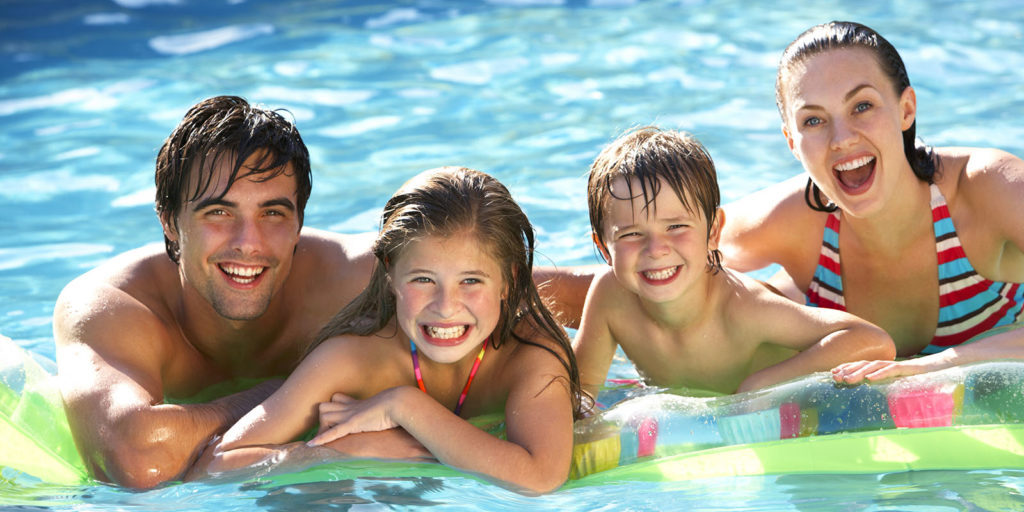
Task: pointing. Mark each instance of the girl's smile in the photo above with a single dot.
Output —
(448, 293)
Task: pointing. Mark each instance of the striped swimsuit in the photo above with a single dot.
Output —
(968, 303)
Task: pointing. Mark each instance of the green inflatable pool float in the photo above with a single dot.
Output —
(964, 418)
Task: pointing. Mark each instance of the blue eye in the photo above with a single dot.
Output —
(812, 121)
(863, 106)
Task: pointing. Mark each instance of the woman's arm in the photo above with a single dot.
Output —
(766, 226)
(565, 289)
(1005, 345)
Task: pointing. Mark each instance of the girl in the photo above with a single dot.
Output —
(451, 309)
(931, 239)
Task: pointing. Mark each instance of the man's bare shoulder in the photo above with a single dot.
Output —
(144, 275)
(345, 251)
(351, 245)
(332, 267)
(103, 314)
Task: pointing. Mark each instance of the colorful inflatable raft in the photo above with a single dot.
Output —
(970, 417)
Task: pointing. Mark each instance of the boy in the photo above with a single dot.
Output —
(680, 317)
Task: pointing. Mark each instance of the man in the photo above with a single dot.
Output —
(237, 293)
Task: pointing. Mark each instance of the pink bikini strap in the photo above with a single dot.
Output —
(472, 372)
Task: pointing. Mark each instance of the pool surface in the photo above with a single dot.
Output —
(528, 91)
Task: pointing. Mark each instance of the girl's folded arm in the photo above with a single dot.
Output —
(538, 418)
(539, 427)
(267, 429)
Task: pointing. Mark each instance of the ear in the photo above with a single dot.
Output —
(908, 108)
(169, 226)
(789, 141)
(600, 247)
(715, 234)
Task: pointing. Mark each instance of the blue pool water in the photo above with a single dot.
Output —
(527, 90)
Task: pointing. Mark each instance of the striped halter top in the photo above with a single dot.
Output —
(968, 303)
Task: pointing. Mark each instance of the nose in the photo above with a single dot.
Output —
(657, 245)
(446, 301)
(843, 134)
(248, 238)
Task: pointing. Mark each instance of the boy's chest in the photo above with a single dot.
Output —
(701, 358)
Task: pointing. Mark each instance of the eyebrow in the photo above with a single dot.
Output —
(854, 91)
(677, 218)
(846, 97)
(283, 202)
(431, 272)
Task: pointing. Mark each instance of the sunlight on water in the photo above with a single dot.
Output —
(527, 90)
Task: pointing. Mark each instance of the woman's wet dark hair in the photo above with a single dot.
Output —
(448, 201)
(847, 34)
(226, 127)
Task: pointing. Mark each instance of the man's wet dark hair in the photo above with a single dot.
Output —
(226, 127)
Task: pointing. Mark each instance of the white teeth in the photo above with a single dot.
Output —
(849, 166)
(446, 333)
(660, 275)
(242, 275)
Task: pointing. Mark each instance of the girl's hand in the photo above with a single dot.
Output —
(330, 412)
(345, 415)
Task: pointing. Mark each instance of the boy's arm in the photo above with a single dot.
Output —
(594, 345)
(824, 337)
(565, 289)
(110, 351)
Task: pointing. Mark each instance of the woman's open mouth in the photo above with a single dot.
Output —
(856, 175)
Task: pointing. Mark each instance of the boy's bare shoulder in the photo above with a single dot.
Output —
(747, 299)
(607, 291)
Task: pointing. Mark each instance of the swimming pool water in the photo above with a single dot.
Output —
(527, 90)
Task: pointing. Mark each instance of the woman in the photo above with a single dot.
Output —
(931, 239)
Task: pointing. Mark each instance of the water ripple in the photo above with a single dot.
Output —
(19, 257)
(184, 44)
